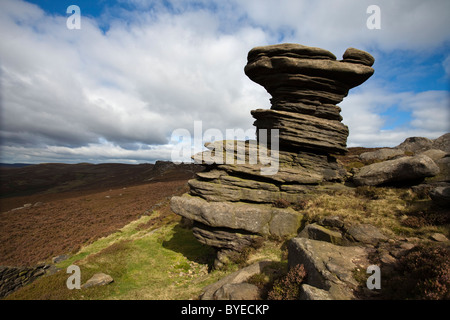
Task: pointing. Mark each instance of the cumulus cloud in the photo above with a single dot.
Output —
(429, 115)
(117, 88)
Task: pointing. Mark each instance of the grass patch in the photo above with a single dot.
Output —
(163, 263)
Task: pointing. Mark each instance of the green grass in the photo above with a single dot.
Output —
(160, 264)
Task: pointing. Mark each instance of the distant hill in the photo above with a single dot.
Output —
(14, 165)
(49, 178)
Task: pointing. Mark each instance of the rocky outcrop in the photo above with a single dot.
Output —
(420, 144)
(306, 84)
(416, 144)
(403, 170)
(410, 163)
(233, 202)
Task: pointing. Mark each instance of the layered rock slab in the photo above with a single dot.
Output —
(258, 219)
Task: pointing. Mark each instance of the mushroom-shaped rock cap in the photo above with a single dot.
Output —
(307, 71)
(290, 50)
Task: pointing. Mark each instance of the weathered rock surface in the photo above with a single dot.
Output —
(444, 167)
(308, 292)
(416, 144)
(216, 290)
(259, 219)
(358, 56)
(441, 196)
(299, 131)
(317, 232)
(403, 170)
(442, 143)
(381, 154)
(98, 279)
(366, 233)
(328, 267)
(238, 291)
(435, 154)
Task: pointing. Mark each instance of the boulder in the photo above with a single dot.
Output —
(441, 196)
(332, 221)
(237, 277)
(317, 232)
(98, 279)
(237, 291)
(444, 167)
(407, 170)
(60, 258)
(308, 292)
(434, 154)
(439, 237)
(381, 154)
(416, 144)
(328, 267)
(442, 143)
(366, 233)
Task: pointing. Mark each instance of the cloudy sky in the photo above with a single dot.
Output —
(117, 88)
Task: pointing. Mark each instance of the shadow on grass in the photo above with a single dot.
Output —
(184, 242)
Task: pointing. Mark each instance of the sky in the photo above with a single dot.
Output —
(117, 88)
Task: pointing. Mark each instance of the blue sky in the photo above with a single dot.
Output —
(116, 89)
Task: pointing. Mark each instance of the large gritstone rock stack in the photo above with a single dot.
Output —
(241, 197)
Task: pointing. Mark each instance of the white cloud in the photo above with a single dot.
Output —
(89, 94)
(362, 112)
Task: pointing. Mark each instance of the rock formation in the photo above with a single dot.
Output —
(402, 170)
(239, 199)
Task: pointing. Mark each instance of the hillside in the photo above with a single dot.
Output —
(51, 209)
(124, 226)
(35, 183)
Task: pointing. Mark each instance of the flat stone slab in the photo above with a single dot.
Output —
(260, 219)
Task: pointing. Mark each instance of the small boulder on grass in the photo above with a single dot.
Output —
(98, 279)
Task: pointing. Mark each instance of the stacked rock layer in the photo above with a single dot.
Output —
(241, 197)
(306, 85)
